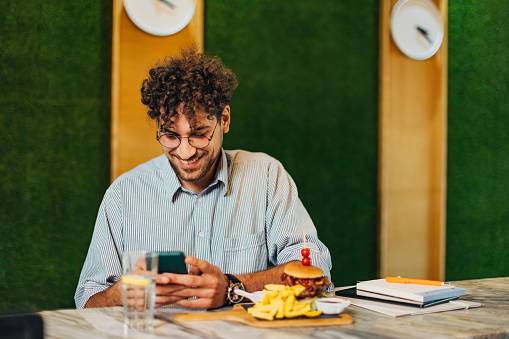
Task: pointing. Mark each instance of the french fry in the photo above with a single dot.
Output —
(275, 287)
(265, 308)
(280, 302)
(289, 304)
(299, 306)
(280, 312)
(262, 315)
(277, 305)
(265, 300)
(295, 314)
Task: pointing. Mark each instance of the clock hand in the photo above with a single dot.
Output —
(166, 2)
(425, 34)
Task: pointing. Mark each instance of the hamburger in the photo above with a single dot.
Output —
(310, 277)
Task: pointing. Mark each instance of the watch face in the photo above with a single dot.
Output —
(417, 28)
(160, 17)
(234, 283)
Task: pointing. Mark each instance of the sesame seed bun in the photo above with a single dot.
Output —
(297, 270)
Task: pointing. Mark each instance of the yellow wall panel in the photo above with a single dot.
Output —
(413, 140)
(134, 53)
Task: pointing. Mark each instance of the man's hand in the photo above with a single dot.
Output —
(205, 281)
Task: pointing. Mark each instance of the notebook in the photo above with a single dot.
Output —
(352, 292)
(399, 310)
(381, 289)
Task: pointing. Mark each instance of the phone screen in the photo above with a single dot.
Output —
(172, 262)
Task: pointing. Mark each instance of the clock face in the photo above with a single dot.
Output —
(160, 17)
(417, 28)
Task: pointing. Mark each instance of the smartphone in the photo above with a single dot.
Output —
(172, 262)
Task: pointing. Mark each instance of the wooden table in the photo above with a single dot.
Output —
(491, 320)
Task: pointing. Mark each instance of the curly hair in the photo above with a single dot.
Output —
(192, 78)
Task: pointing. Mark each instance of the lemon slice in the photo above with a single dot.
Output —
(135, 280)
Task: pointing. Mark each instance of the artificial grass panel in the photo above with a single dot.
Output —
(478, 145)
(54, 122)
(308, 95)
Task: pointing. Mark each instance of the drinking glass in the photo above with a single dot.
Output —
(139, 273)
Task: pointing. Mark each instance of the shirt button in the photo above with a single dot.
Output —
(199, 199)
(201, 233)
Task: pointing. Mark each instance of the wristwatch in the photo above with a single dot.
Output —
(231, 296)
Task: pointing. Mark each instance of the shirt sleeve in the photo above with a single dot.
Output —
(286, 218)
(102, 267)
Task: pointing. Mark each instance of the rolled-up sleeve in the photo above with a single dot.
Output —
(286, 220)
(102, 267)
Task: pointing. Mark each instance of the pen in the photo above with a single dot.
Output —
(414, 281)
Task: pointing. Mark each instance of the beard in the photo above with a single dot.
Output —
(207, 161)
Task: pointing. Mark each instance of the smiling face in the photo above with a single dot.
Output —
(195, 167)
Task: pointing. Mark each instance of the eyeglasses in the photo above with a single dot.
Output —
(173, 140)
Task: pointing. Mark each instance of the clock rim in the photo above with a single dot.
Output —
(436, 44)
(144, 26)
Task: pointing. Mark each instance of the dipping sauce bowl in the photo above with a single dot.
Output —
(331, 305)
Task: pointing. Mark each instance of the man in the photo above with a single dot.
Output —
(234, 213)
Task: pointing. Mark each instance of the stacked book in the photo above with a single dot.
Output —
(404, 299)
(416, 294)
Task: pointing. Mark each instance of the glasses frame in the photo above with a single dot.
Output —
(179, 137)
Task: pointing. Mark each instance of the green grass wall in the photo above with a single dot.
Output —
(55, 59)
(308, 95)
(478, 145)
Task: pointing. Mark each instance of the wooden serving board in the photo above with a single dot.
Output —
(239, 314)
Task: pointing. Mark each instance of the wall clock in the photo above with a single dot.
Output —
(417, 28)
(160, 17)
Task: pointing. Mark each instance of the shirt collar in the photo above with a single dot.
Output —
(175, 188)
(222, 174)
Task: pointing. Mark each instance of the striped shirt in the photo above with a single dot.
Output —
(248, 218)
